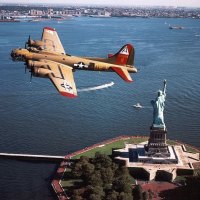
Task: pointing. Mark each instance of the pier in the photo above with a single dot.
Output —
(32, 157)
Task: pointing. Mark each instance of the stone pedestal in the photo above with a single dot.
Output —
(157, 146)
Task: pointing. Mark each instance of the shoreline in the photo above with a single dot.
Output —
(61, 169)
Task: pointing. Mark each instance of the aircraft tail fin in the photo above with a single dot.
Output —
(125, 56)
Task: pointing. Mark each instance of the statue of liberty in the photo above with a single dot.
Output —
(158, 108)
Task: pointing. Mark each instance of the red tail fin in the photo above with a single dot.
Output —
(125, 56)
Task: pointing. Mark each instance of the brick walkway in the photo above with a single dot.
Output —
(157, 188)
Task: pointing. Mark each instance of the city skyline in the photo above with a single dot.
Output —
(176, 3)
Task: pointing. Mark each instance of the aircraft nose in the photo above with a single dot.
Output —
(12, 54)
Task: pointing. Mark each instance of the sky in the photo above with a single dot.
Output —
(180, 3)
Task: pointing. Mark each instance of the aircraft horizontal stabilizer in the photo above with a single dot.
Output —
(123, 73)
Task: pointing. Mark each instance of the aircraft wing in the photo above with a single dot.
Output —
(52, 41)
(62, 78)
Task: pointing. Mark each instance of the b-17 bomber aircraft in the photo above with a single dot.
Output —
(46, 58)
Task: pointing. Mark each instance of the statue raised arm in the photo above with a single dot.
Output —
(164, 88)
(158, 108)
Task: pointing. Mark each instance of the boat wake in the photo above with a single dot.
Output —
(98, 87)
(141, 107)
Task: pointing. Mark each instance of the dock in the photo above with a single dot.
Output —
(32, 157)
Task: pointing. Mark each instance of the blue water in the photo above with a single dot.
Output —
(35, 119)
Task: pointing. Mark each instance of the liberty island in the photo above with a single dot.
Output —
(153, 159)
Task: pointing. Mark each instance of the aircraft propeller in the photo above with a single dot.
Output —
(31, 77)
(28, 42)
(29, 66)
(32, 71)
(25, 67)
(26, 64)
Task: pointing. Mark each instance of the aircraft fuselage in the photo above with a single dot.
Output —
(78, 63)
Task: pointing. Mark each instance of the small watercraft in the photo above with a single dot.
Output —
(175, 27)
(137, 105)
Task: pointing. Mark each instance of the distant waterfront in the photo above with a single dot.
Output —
(35, 119)
(62, 11)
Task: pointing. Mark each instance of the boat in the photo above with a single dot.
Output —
(137, 105)
(100, 16)
(8, 19)
(175, 27)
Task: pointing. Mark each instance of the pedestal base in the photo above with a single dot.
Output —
(157, 146)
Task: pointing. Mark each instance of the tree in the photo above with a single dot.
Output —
(127, 188)
(107, 175)
(84, 159)
(87, 170)
(122, 182)
(123, 172)
(77, 170)
(137, 192)
(76, 195)
(145, 195)
(98, 190)
(125, 196)
(82, 168)
(112, 195)
(150, 194)
(102, 160)
(95, 179)
(103, 179)
(95, 197)
(121, 185)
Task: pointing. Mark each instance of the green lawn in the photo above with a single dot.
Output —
(188, 148)
(171, 142)
(69, 183)
(66, 182)
(179, 179)
(107, 148)
(191, 150)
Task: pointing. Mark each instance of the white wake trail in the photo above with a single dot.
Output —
(99, 87)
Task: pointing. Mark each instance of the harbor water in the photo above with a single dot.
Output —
(35, 119)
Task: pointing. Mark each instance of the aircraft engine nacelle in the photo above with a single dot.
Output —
(36, 43)
(38, 68)
(41, 72)
(31, 64)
